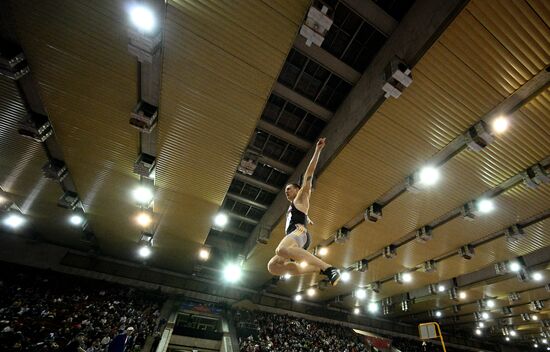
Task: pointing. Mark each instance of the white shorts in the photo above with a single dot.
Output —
(301, 236)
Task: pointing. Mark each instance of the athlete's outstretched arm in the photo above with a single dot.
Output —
(308, 175)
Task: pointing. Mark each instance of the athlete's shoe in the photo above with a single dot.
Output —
(332, 274)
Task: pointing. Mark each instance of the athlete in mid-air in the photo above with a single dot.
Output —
(292, 250)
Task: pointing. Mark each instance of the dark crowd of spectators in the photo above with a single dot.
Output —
(45, 311)
(259, 331)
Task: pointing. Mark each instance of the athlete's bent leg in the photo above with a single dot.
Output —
(280, 266)
(288, 248)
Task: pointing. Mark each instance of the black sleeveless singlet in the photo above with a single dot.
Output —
(293, 218)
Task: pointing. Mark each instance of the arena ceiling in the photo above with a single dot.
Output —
(238, 80)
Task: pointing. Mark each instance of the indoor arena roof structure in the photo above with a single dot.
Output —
(435, 202)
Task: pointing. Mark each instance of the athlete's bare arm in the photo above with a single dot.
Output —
(302, 198)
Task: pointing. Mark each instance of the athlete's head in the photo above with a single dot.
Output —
(291, 190)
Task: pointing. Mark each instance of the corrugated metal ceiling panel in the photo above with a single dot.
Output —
(468, 306)
(542, 8)
(411, 211)
(291, 9)
(460, 232)
(21, 176)
(511, 23)
(88, 83)
(214, 88)
(20, 157)
(220, 62)
(464, 75)
(216, 79)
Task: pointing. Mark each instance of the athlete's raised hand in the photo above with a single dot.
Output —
(321, 144)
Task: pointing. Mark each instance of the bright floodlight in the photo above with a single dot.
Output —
(232, 272)
(514, 266)
(298, 297)
(544, 341)
(537, 276)
(323, 251)
(144, 219)
(491, 303)
(204, 253)
(303, 264)
(481, 325)
(345, 276)
(143, 195)
(500, 124)
(441, 288)
(507, 338)
(76, 220)
(356, 310)
(407, 277)
(513, 333)
(429, 175)
(478, 332)
(142, 18)
(361, 293)
(535, 317)
(536, 345)
(310, 292)
(373, 307)
(485, 206)
(286, 276)
(144, 251)
(438, 314)
(221, 220)
(485, 315)
(462, 295)
(14, 221)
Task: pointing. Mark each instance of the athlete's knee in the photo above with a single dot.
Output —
(274, 267)
(282, 252)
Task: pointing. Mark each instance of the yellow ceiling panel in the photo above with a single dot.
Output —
(46, 220)
(12, 107)
(463, 177)
(409, 212)
(518, 28)
(433, 114)
(482, 290)
(263, 41)
(537, 237)
(195, 126)
(502, 288)
(220, 61)
(542, 8)
(183, 217)
(88, 84)
(475, 45)
(420, 279)
(452, 75)
(86, 32)
(471, 68)
(20, 156)
(293, 10)
(194, 51)
(216, 80)
(21, 176)
(509, 209)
